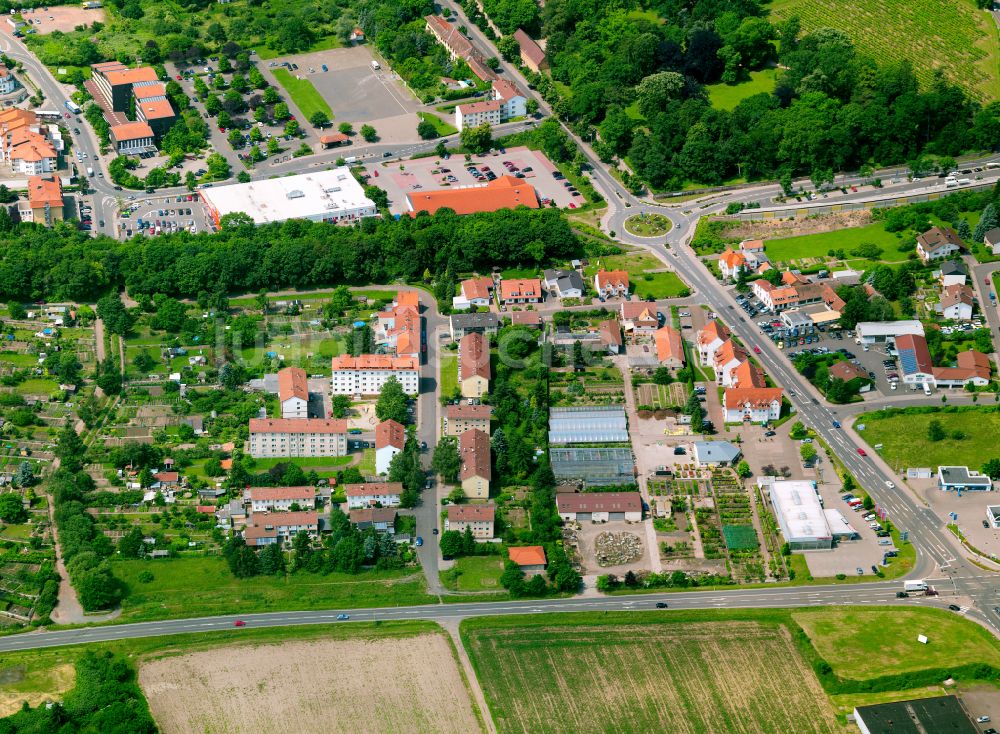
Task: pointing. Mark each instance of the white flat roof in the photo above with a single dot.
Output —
(889, 328)
(839, 525)
(799, 512)
(313, 195)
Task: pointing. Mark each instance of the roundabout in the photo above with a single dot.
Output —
(648, 224)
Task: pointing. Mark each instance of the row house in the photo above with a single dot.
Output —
(713, 336)
(369, 494)
(268, 528)
(727, 358)
(477, 469)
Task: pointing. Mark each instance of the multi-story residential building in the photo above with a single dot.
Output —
(281, 499)
(611, 284)
(478, 518)
(45, 203)
(458, 46)
(7, 81)
(267, 528)
(461, 418)
(713, 336)
(469, 323)
(293, 393)
(516, 291)
(732, 263)
(756, 404)
(474, 114)
(638, 318)
(512, 102)
(365, 375)
(369, 494)
(938, 243)
(31, 153)
(303, 437)
(474, 366)
(398, 328)
(727, 358)
(747, 374)
(957, 302)
(532, 54)
(390, 438)
(477, 465)
(115, 81)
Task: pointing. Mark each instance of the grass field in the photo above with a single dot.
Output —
(952, 36)
(845, 639)
(630, 674)
(19, 359)
(188, 587)
(442, 127)
(728, 96)
(37, 387)
(818, 245)
(306, 97)
(666, 284)
(474, 573)
(449, 373)
(306, 462)
(905, 443)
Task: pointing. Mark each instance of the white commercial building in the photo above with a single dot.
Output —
(799, 513)
(875, 332)
(365, 375)
(319, 196)
(297, 437)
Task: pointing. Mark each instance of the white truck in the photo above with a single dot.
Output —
(917, 585)
(90, 171)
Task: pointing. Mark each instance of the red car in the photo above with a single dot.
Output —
(239, 623)
(756, 350)
(861, 452)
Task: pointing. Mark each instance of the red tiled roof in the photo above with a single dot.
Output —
(373, 515)
(370, 489)
(373, 362)
(292, 383)
(638, 311)
(272, 494)
(489, 105)
(42, 191)
(473, 288)
(474, 357)
(467, 412)
(747, 374)
(131, 131)
(846, 371)
(506, 192)
(156, 109)
(599, 502)
(149, 90)
(390, 433)
(613, 278)
(732, 258)
(474, 450)
(713, 330)
(332, 138)
(471, 513)
(297, 425)
(669, 344)
(527, 555)
(757, 397)
(529, 47)
(505, 90)
(611, 332)
(512, 288)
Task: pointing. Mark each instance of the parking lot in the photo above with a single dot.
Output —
(970, 509)
(429, 174)
(163, 214)
(357, 93)
(64, 18)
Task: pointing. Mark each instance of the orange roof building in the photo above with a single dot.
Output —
(528, 557)
(520, 290)
(45, 201)
(731, 263)
(506, 192)
(293, 393)
(474, 365)
(611, 283)
(669, 347)
(747, 374)
(755, 404)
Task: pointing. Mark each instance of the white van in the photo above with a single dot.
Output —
(927, 389)
(375, 65)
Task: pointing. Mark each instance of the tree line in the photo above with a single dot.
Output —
(64, 263)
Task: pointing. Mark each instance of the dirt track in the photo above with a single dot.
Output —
(388, 685)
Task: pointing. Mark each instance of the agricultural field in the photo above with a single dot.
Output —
(952, 36)
(843, 637)
(905, 442)
(728, 96)
(199, 586)
(734, 677)
(374, 685)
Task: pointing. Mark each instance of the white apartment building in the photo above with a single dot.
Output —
(478, 113)
(368, 494)
(293, 393)
(303, 437)
(365, 375)
(479, 519)
(268, 499)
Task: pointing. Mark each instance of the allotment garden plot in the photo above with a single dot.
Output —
(729, 677)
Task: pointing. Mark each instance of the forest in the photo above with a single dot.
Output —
(64, 263)
(638, 84)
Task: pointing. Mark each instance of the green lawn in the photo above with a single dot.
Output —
(367, 464)
(905, 443)
(728, 96)
(867, 643)
(818, 245)
(19, 359)
(474, 573)
(953, 37)
(37, 387)
(443, 128)
(666, 284)
(306, 462)
(449, 374)
(305, 96)
(191, 587)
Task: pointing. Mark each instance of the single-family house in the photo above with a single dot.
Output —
(611, 335)
(479, 519)
(370, 494)
(756, 404)
(530, 558)
(992, 240)
(753, 251)
(564, 283)
(732, 263)
(938, 243)
(390, 437)
(952, 272)
(383, 519)
(957, 302)
(639, 318)
(848, 371)
(516, 291)
(669, 347)
(474, 366)
(475, 292)
(293, 393)
(611, 284)
(476, 471)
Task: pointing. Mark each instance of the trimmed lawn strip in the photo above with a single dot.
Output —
(305, 96)
(305, 462)
(442, 127)
(449, 374)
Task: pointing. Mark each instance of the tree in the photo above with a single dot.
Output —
(130, 545)
(743, 470)
(451, 543)
(991, 468)
(662, 376)
(11, 509)
(116, 318)
(340, 404)
(272, 560)
(426, 130)
(319, 119)
(808, 452)
(964, 230)
(477, 139)
(512, 579)
(281, 112)
(798, 431)
(653, 92)
(345, 128)
(292, 128)
(232, 376)
(987, 221)
(392, 402)
(446, 460)
(70, 449)
(25, 475)
(369, 134)
(935, 431)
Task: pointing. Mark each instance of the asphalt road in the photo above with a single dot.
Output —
(855, 594)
